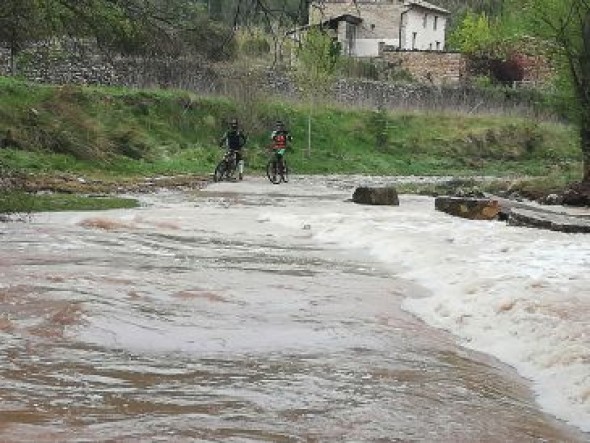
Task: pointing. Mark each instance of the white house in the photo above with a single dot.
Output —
(422, 26)
(364, 27)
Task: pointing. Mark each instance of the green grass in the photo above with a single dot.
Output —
(121, 132)
(64, 202)
(23, 203)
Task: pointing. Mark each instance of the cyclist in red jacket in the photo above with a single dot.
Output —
(280, 138)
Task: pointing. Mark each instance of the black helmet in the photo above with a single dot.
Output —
(279, 124)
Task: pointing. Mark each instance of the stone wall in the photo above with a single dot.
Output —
(440, 68)
(459, 98)
(64, 62)
(537, 70)
(81, 64)
(432, 67)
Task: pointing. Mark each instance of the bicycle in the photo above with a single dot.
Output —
(277, 169)
(226, 168)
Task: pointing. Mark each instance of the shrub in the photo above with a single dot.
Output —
(255, 45)
(130, 143)
(378, 127)
(213, 40)
(356, 68)
(15, 203)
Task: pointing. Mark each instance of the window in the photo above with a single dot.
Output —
(425, 20)
(435, 22)
(414, 37)
(372, 26)
(430, 46)
(438, 46)
(350, 39)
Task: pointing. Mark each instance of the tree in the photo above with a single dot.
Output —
(317, 58)
(145, 27)
(474, 34)
(565, 24)
(128, 26)
(155, 27)
(21, 21)
(256, 12)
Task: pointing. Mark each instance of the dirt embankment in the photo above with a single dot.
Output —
(80, 184)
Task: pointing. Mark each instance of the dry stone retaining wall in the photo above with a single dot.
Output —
(81, 63)
(430, 66)
(452, 67)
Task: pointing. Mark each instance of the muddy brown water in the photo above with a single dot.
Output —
(190, 319)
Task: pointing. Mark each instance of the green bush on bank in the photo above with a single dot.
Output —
(119, 131)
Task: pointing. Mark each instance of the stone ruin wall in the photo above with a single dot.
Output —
(537, 70)
(83, 64)
(430, 67)
(444, 68)
(438, 75)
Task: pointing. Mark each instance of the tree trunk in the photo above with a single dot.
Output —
(309, 117)
(13, 60)
(585, 144)
(584, 95)
(309, 134)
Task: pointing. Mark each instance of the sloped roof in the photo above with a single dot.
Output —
(352, 19)
(426, 5)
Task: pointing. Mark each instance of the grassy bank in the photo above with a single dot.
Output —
(25, 203)
(114, 132)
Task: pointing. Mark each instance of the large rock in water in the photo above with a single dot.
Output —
(367, 195)
(471, 208)
(577, 194)
(549, 220)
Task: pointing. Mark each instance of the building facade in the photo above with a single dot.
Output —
(400, 24)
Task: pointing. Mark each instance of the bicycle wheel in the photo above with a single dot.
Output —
(230, 170)
(285, 172)
(272, 173)
(220, 171)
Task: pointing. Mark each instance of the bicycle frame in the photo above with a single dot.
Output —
(226, 167)
(277, 169)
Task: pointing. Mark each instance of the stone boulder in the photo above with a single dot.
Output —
(577, 194)
(366, 195)
(549, 220)
(471, 208)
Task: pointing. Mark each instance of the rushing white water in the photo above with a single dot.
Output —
(519, 294)
(254, 312)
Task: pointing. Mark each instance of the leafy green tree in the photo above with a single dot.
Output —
(21, 21)
(489, 7)
(317, 58)
(473, 35)
(257, 12)
(128, 26)
(155, 27)
(565, 26)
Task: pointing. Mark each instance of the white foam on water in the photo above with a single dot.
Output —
(519, 294)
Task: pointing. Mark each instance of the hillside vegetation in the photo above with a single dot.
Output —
(118, 132)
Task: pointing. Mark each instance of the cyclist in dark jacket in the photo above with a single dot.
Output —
(234, 140)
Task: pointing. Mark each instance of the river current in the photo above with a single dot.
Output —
(256, 312)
